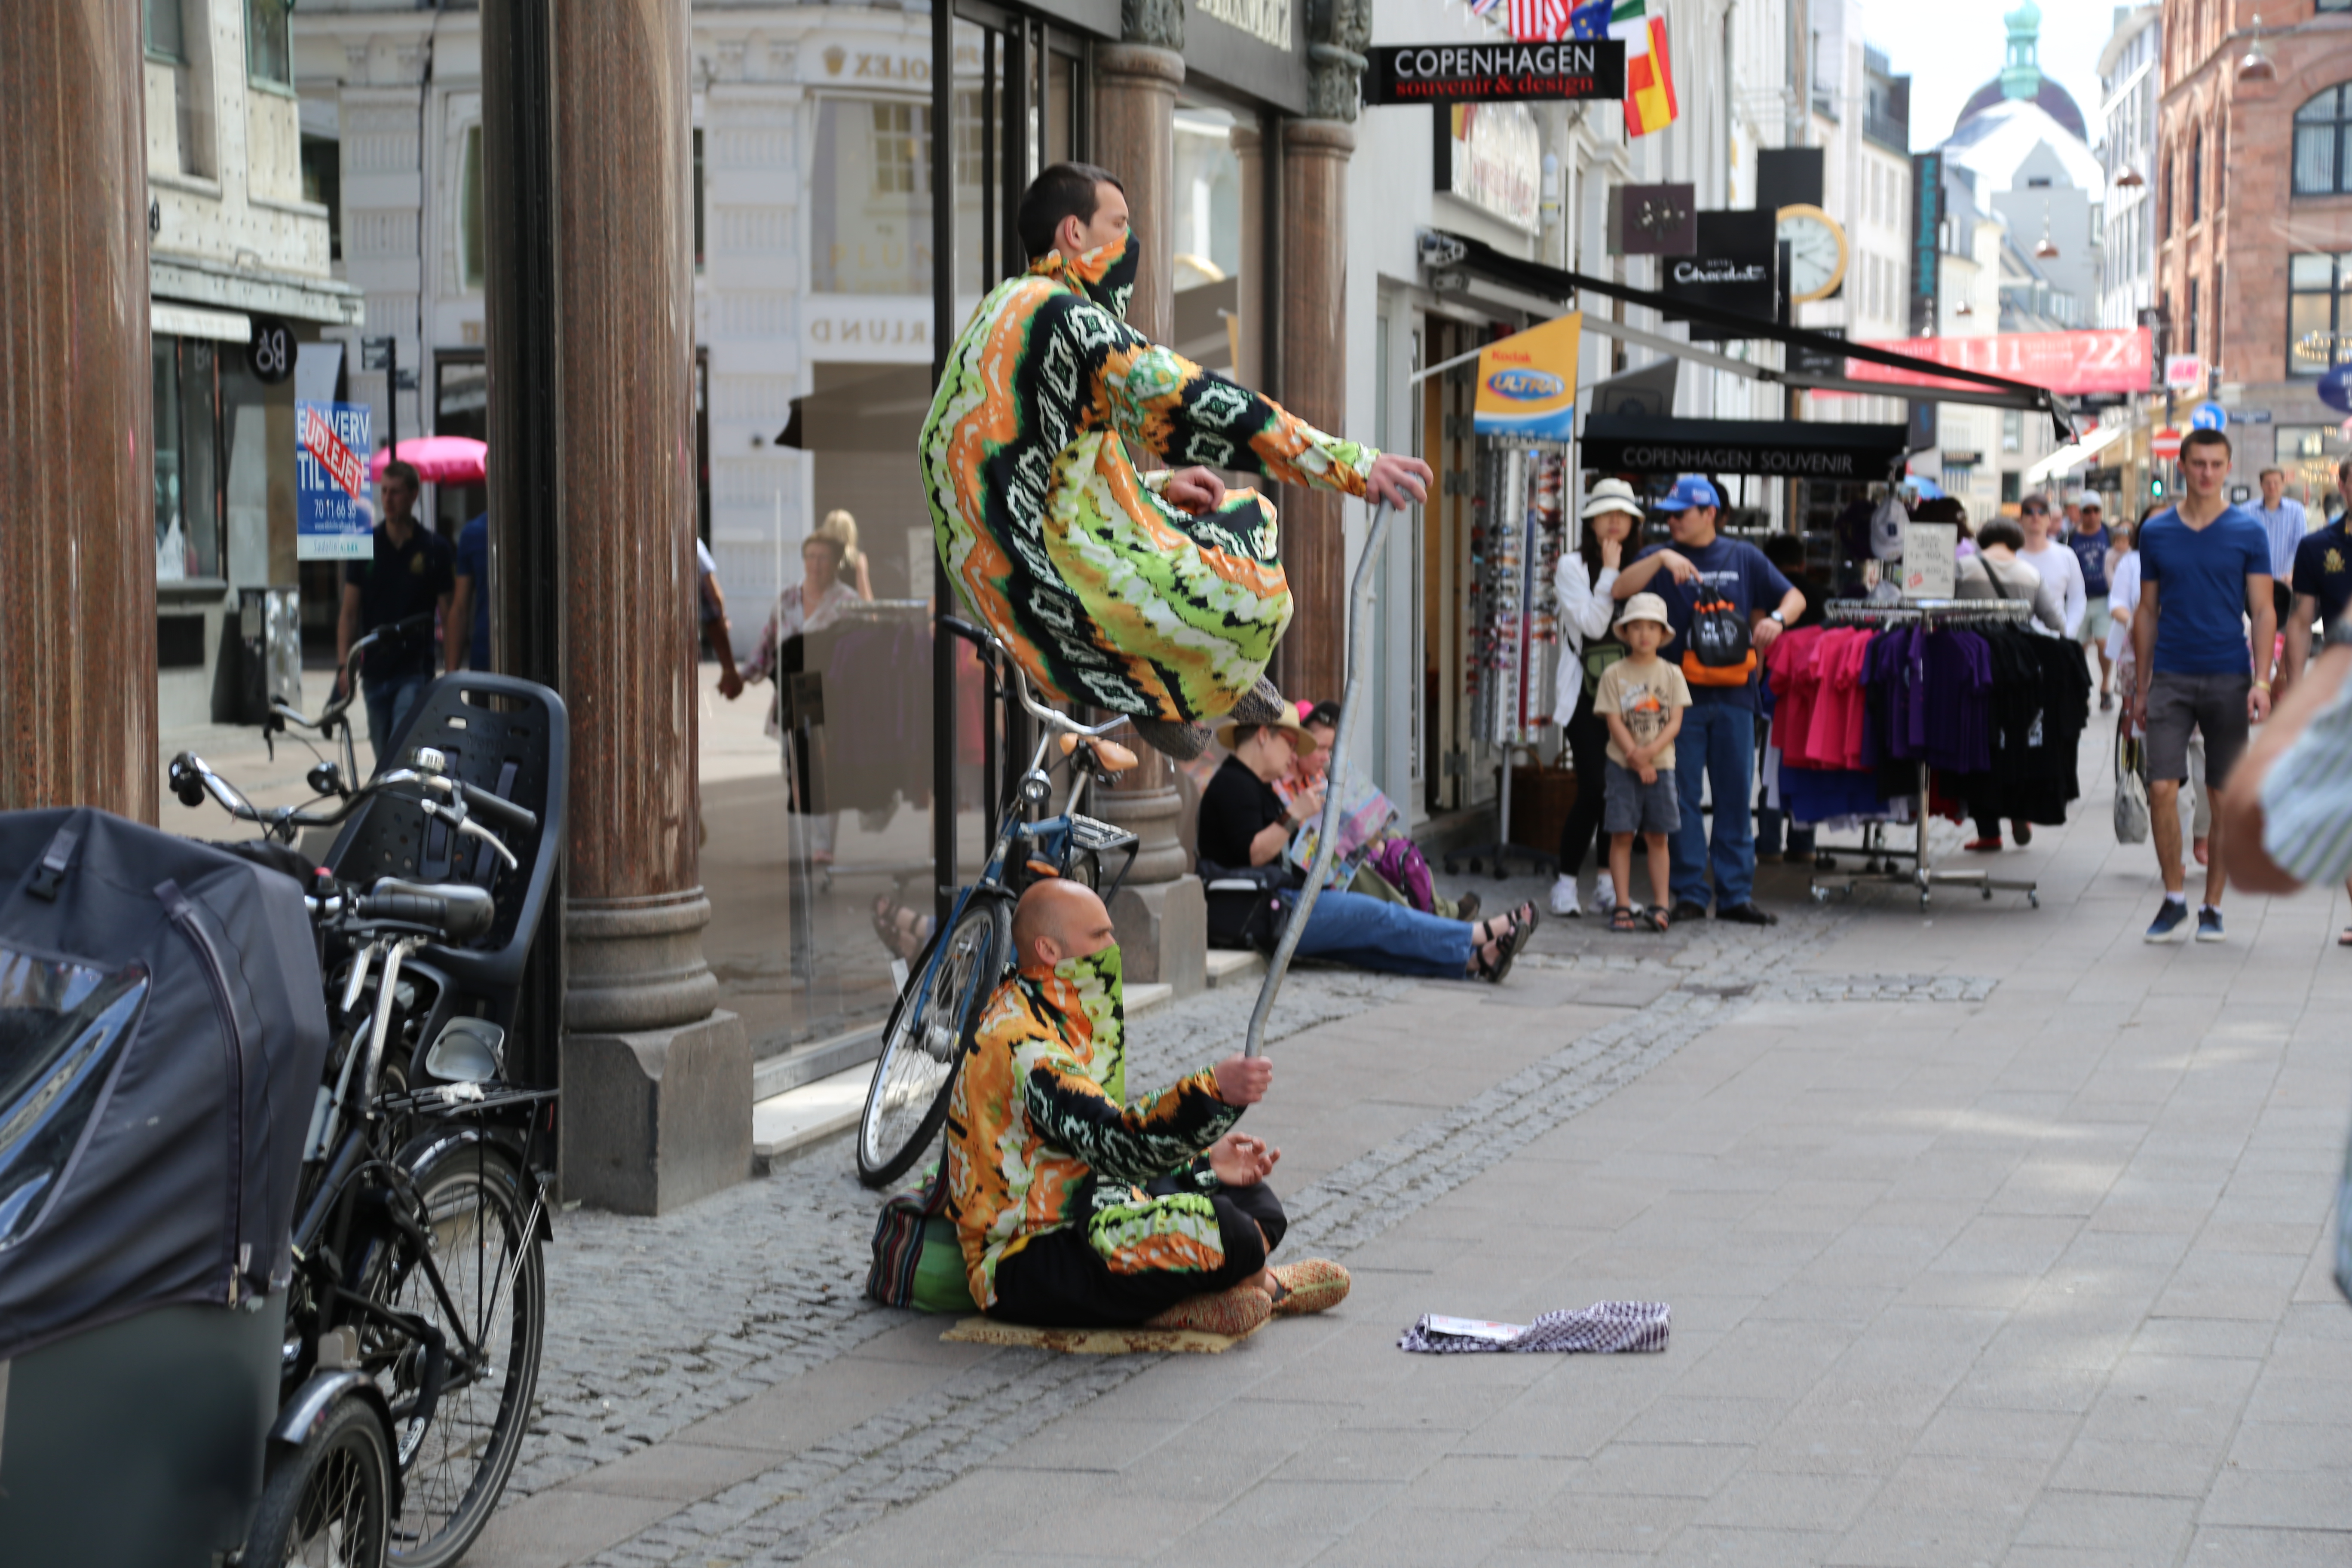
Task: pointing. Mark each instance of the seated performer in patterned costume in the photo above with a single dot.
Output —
(1159, 596)
(1078, 1210)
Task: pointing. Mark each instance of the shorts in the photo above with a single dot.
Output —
(2212, 704)
(1629, 806)
(2096, 620)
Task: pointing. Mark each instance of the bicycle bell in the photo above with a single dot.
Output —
(430, 759)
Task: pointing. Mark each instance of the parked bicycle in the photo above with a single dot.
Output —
(937, 1011)
(422, 1209)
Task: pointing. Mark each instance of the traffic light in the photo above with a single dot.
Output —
(2156, 490)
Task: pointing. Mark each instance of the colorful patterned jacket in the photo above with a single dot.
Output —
(1106, 594)
(1040, 1138)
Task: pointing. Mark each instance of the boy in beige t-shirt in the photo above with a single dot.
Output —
(1642, 698)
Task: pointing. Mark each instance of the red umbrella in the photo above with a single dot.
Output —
(438, 459)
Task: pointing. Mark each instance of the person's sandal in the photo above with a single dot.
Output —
(1656, 918)
(1624, 919)
(1233, 1312)
(1310, 1285)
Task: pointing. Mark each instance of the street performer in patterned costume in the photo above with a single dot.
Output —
(1156, 594)
(1077, 1209)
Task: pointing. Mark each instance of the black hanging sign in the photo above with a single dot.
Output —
(271, 351)
(1619, 443)
(1737, 269)
(1494, 73)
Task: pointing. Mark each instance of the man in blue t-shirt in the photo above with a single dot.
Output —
(2205, 572)
(1717, 743)
(468, 632)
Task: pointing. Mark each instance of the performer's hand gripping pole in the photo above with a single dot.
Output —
(1327, 842)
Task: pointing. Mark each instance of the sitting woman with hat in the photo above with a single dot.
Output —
(1588, 646)
(1244, 828)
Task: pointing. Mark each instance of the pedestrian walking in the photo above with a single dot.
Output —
(467, 634)
(2289, 806)
(2320, 584)
(1588, 646)
(2055, 562)
(717, 632)
(2204, 572)
(2287, 523)
(2093, 543)
(410, 572)
(2123, 601)
(1716, 751)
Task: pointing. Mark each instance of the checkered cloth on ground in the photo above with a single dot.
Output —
(1603, 1329)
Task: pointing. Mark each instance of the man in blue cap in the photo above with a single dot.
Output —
(1718, 734)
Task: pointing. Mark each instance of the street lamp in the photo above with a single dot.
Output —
(2255, 65)
(2129, 179)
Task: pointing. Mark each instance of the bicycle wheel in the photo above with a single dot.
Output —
(323, 1504)
(922, 1044)
(454, 1466)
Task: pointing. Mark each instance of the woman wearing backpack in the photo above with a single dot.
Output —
(1728, 603)
(1588, 646)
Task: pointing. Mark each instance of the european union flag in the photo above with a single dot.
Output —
(1590, 21)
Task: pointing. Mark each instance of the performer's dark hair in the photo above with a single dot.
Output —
(1063, 190)
(2001, 530)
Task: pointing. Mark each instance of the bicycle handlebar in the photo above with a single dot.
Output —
(988, 643)
(499, 810)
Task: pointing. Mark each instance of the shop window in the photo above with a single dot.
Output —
(2317, 317)
(2011, 486)
(2309, 454)
(167, 33)
(870, 198)
(2012, 430)
(472, 244)
(269, 43)
(322, 182)
(2196, 176)
(175, 47)
(2322, 167)
(186, 458)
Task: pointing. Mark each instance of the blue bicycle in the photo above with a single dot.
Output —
(938, 1013)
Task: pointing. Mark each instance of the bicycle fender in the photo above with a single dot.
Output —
(534, 1192)
(299, 1419)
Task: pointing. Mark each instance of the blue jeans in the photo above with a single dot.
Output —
(388, 702)
(1717, 743)
(1395, 939)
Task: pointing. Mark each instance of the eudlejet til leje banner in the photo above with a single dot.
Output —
(1527, 383)
(331, 518)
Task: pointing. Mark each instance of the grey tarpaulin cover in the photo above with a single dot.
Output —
(163, 1031)
(1603, 1327)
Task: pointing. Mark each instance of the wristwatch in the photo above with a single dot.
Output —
(1780, 617)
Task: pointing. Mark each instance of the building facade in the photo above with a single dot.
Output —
(2253, 219)
(240, 271)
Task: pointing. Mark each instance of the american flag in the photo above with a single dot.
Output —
(1538, 21)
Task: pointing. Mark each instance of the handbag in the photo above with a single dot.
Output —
(1599, 657)
(1719, 650)
(2131, 791)
(918, 1257)
(1246, 903)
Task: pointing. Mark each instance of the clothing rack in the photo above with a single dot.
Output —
(1934, 614)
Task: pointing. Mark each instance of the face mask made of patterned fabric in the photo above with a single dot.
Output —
(1096, 979)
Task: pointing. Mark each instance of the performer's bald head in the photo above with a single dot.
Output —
(1058, 920)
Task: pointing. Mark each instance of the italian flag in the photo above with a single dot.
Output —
(1649, 75)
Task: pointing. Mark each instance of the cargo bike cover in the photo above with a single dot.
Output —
(163, 1031)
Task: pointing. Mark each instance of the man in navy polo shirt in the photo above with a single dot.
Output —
(1718, 743)
(2205, 572)
(410, 573)
(2321, 583)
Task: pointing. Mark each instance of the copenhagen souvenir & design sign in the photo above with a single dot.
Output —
(332, 520)
(1493, 73)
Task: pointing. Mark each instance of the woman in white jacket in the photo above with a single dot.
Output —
(1587, 647)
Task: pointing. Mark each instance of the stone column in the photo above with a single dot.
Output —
(1314, 155)
(1162, 919)
(77, 478)
(657, 1084)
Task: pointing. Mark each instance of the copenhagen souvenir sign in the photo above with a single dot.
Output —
(332, 520)
(1784, 448)
(1527, 383)
(1497, 72)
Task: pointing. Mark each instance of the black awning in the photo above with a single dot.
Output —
(1781, 449)
(1559, 284)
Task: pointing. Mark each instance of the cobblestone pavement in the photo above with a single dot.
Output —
(659, 1323)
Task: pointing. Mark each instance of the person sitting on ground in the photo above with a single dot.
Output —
(1159, 596)
(1244, 824)
(1078, 1209)
(1641, 698)
(1309, 771)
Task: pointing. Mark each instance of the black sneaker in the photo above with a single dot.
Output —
(2209, 924)
(1686, 911)
(1747, 915)
(2170, 923)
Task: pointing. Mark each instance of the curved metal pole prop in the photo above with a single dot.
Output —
(1327, 842)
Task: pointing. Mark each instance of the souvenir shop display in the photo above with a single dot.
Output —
(1888, 714)
(1519, 527)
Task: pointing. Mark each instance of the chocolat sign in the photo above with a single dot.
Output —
(1737, 269)
(1487, 73)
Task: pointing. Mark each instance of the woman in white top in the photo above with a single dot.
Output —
(2059, 567)
(1583, 582)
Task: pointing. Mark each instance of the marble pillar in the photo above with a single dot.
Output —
(1161, 918)
(77, 481)
(657, 1084)
(1315, 153)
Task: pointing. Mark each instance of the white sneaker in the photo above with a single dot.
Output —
(1604, 893)
(1563, 895)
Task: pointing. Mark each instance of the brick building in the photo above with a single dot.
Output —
(2254, 214)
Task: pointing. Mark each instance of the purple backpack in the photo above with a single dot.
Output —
(1400, 863)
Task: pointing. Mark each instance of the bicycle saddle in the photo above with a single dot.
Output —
(460, 911)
